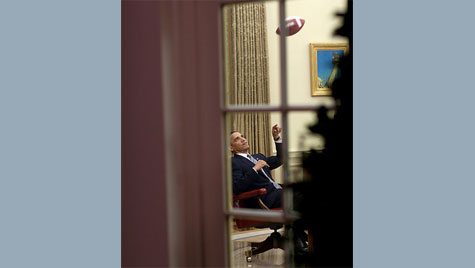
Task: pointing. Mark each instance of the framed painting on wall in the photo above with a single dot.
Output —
(324, 69)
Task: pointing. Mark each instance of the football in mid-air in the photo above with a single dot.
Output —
(293, 25)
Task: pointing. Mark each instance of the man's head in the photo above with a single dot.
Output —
(238, 143)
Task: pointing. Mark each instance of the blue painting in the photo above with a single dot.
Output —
(327, 67)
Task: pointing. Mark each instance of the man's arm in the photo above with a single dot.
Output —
(276, 161)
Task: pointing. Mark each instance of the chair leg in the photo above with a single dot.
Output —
(263, 248)
(275, 240)
(258, 244)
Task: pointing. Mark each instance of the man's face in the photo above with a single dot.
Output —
(239, 143)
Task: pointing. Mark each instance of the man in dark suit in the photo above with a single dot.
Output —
(250, 172)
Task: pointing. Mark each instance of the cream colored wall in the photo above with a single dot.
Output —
(320, 23)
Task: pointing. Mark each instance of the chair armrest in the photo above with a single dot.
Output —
(253, 193)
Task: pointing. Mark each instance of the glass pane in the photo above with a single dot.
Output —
(243, 240)
(314, 22)
(252, 133)
(251, 57)
(301, 141)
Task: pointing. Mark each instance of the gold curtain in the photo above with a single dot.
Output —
(247, 71)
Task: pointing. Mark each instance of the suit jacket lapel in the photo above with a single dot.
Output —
(245, 160)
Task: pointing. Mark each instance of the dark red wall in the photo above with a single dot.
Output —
(144, 228)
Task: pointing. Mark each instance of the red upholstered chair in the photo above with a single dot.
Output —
(275, 240)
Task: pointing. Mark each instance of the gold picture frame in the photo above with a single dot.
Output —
(324, 66)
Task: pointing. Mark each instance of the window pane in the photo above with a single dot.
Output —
(242, 246)
(301, 141)
(251, 53)
(319, 25)
(251, 132)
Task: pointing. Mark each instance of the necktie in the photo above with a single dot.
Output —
(254, 161)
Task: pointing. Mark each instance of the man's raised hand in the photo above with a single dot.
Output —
(276, 131)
